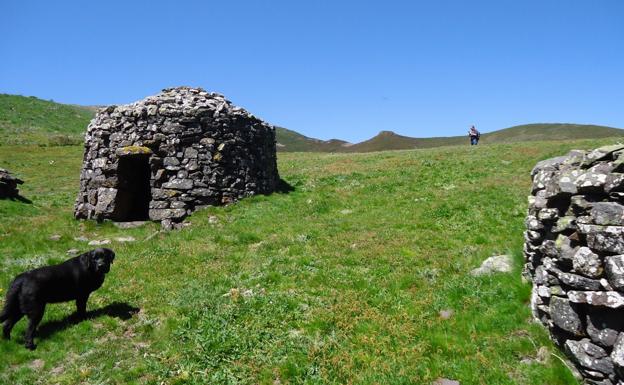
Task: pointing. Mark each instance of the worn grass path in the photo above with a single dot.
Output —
(338, 282)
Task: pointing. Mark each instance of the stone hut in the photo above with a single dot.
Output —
(574, 252)
(167, 155)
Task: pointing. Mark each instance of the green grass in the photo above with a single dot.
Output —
(29, 120)
(340, 281)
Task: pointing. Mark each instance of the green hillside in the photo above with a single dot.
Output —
(340, 281)
(388, 140)
(29, 120)
(553, 131)
(291, 141)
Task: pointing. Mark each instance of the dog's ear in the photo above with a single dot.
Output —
(110, 255)
(87, 259)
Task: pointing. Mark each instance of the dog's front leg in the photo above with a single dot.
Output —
(34, 317)
(81, 306)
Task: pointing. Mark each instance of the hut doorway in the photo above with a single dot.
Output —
(134, 193)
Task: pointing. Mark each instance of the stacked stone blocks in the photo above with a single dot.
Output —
(197, 148)
(574, 252)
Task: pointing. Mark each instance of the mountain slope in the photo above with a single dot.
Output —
(32, 120)
(29, 120)
(292, 141)
(388, 140)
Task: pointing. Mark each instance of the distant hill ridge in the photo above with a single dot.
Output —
(30, 120)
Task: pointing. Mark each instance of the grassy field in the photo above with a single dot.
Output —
(339, 282)
(29, 120)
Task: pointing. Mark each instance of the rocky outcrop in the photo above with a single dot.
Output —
(8, 184)
(574, 253)
(169, 154)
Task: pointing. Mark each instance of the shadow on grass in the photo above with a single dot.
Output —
(119, 310)
(17, 198)
(284, 187)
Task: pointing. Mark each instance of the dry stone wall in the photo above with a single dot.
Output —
(169, 154)
(574, 251)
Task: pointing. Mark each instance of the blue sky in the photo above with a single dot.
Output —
(331, 69)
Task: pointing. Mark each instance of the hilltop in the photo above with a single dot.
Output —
(29, 120)
(388, 140)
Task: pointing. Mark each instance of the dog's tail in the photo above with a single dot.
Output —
(11, 303)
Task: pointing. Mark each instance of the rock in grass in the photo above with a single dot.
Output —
(125, 239)
(494, 264)
(129, 225)
(445, 381)
(446, 314)
(100, 242)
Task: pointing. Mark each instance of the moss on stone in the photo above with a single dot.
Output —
(133, 150)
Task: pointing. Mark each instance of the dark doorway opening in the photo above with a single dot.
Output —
(134, 194)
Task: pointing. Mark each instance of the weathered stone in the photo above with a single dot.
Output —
(145, 143)
(589, 356)
(158, 204)
(617, 355)
(607, 213)
(566, 182)
(565, 250)
(445, 381)
(600, 153)
(171, 161)
(548, 215)
(532, 223)
(190, 153)
(614, 267)
(587, 263)
(604, 326)
(574, 254)
(160, 214)
(548, 164)
(105, 200)
(604, 238)
(564, 224)
(179, 184)
(130, 225)
(100, 242)
(133, 151)
(533, 237)
(579, 282)
(612, 299)
(614, 182)
(565, 316)
(594, 179)
(579, 204)
(497, 263)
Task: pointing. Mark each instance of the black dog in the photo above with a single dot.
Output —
(74, 279)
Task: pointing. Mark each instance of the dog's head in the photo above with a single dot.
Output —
(99, 260)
